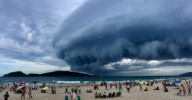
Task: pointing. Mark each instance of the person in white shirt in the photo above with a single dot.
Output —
(128, 88)
(104, 95)
(73, 95)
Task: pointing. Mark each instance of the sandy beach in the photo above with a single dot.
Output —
(134, 94)
(63, 49)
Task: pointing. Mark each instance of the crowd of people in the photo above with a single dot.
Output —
(104, 95)
(184, 89)
(74, 91)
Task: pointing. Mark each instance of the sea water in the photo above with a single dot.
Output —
(84, 79)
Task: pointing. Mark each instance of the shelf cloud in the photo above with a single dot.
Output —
(99, 35)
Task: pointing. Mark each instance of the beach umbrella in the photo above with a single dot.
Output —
(20, 87)
(141, 83)
(73, 88)
(45, 88)
(176, 81)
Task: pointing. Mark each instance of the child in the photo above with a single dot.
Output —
(6, 96)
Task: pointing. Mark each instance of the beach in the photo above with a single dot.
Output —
(134, 94)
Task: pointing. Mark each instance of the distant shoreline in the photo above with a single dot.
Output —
(77, 74)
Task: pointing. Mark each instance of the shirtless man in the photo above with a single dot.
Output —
(23, 91)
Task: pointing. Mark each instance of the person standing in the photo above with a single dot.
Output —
(66, 89)
(30, 94)
(128, 88)
(23, 91)
(52, 89)
(78, 90)
(6, 96)
(110, 86)
(120, 87)
(116, 86)
(106, 85)
(140, 87)
(184, 91)
(73, 96)
(189, 90)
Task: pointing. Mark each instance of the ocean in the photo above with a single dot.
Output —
(82, 79)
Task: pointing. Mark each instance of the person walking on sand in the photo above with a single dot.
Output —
(23, 91)
(30, 94)
(6, 96)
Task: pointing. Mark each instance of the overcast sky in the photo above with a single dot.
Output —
(109, 37)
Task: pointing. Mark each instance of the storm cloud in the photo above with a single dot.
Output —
(100, 33)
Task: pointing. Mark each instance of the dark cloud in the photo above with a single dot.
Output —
(104, 32)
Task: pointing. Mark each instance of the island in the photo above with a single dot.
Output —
(186, 74)
(48, 74)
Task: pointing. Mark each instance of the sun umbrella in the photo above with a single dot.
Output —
(45, 88)
(20, 87)
(73, 88)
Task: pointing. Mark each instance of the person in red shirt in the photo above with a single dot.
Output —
(6, 96)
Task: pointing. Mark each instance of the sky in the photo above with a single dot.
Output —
(102, 37)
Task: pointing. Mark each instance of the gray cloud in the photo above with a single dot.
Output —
(27, 26)
(103, 32)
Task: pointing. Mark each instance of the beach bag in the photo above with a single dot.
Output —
(118, 94)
